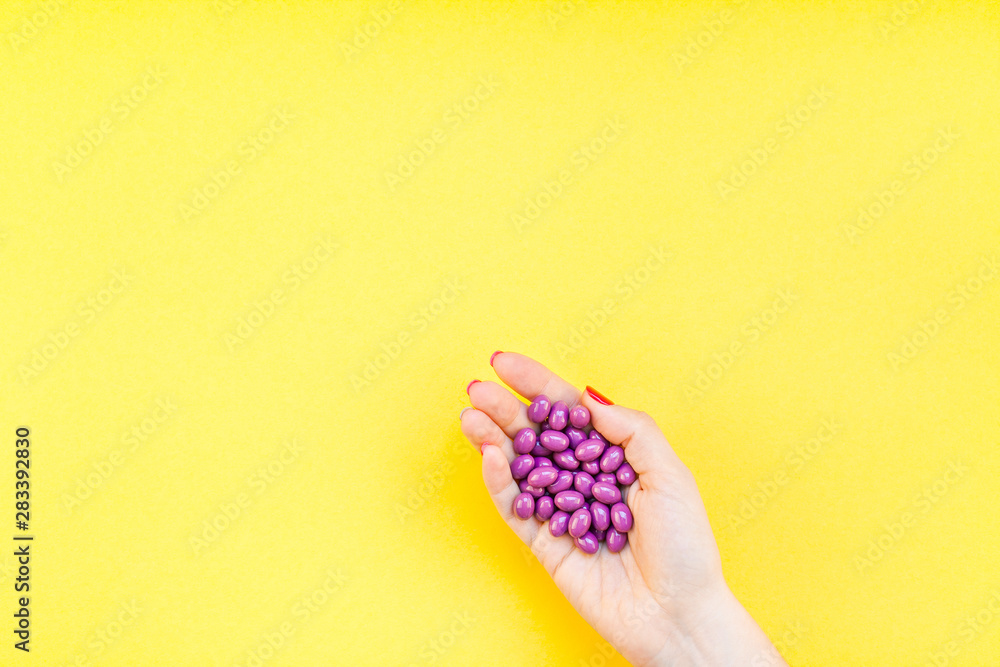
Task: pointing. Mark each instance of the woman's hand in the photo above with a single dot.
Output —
(663, 599)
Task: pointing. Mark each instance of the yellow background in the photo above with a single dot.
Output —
(379, 519)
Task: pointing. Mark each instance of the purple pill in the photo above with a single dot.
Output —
(575, 435)
(569, 501)
(591, 467)
(543, 461)
(601, 515)
(579, 416)
(524, 505)
(544, 508)
(542, 476)
(538, 450)
(625, 474)
(587, 543)
(579, 522)
(554, 441)
(590, 450)
(621, 517)
(528, 488)
(525, 441)
(566, 460)
(594, 433)
(559, 523)
(608, 477)
(613, 457)
(583, 482)
(605, 493)
(539, 409)
(615, 540)
(559, 416)
(563, 482)
(599, 534)
(521, 466)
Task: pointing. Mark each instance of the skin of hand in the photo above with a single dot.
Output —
(663, 599)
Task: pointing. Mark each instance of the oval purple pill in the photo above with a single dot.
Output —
(539, 409)
(625, 474)
(562, 483)
(591, 467)
(579, 522)
(566, 460)
(559, 416)
(575, 435)
(613, 457)
(608, 477)
(524, 505)
(542, 476)
(525, 441)
(538, 450)
(554, 441)
(583, 482)
(587, 543)
(601, 515)
(621, 517)
(594, 433)
(615, 540)
(528, 488)
(605, 493)
(521, 466)
(544, 508)
(579, 416)
(590, 450)
(599, 534)
(559, 523)
(569, 501)
(543, 461)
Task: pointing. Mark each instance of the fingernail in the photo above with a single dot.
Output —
(482, 448)
(469, 385)
(495, 356)
(462, 413)
(598, 396)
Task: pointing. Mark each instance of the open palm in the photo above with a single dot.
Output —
(665, 590)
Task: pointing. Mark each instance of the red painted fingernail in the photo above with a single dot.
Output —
(495, 356)
(482, 448)
(469, 385)
(599, 397)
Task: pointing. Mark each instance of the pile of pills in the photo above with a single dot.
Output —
(572, 478)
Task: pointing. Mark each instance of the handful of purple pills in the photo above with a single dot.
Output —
(572, 478)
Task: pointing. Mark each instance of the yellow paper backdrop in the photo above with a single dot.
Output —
(253, 252)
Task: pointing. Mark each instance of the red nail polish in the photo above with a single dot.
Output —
(469, 385)
(598, 396)
(495, 356)
(482, 448)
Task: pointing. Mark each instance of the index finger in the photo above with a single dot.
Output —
(529, 378)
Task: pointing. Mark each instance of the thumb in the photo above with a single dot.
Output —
(646, 448)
